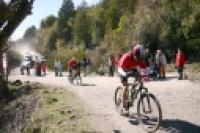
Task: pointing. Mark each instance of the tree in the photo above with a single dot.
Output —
(82, 28)
(48, 22)
(83, 5)
(30, 33)
(13, 13)
(52, 41)
(65, 13)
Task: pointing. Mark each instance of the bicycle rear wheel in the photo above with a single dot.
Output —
(71, 79)
(149, 112)
(78, 80)
(118, 98)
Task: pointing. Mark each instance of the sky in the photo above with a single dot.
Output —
(41, 9)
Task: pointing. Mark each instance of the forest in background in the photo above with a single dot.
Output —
(113, 26)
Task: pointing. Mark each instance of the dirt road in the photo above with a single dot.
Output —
(180, 101)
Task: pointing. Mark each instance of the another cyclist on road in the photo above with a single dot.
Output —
(73, 64)
(127, 62)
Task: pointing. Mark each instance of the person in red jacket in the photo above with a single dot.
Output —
(180, 62)
(72, 64)
(128, 62)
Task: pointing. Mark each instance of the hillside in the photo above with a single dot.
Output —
(113, 26)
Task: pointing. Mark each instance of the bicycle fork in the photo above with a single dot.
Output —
(146, 108)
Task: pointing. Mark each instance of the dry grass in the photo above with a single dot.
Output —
(33, 108)
(58, 111)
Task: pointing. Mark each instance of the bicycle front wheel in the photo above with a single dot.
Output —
(149, 112)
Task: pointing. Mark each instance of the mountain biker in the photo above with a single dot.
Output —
(129, 61)
(73, 64)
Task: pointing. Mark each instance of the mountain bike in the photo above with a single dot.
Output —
(74, 77)
(148, 107)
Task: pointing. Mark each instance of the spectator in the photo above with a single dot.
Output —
(56, 67)
(148, 56)
(160, 61)
(37, 66)
(43, 67)
(111, 64)
(180, 62)
(83, 64)
(101, 70)
(60, 68)
(88, 66)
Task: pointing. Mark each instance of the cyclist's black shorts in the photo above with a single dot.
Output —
(123, 78)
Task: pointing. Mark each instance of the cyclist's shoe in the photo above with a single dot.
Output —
(124, 112)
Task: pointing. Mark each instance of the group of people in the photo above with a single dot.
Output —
(39, 66)
(142, 58)
(73, 64)
(156, 64)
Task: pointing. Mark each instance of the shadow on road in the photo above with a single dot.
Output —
(116, 131)
(87, 84)
(179, 126)
(133, 119)
(168, 78)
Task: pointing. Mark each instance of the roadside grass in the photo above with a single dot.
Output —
(58, 111)
(192, 70)
(34, 108)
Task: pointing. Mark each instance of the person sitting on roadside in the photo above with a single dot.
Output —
(130, 61)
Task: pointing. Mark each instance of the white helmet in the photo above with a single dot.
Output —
(138, 50)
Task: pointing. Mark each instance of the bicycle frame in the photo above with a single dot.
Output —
(141, 91)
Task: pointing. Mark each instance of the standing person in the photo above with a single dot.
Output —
(43, 67)
(37, 66)
(160, 61)
(60, 68)
(101, 70)
(180, 62)
(88, 65)
(111, 65)
(83, 65)
(56, 67)
(148, 56)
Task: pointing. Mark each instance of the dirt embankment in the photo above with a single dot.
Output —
(35, 108)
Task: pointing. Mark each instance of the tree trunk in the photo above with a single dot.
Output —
(24, 8)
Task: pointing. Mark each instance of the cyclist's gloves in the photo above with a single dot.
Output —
(129, 74)
(122, 72)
